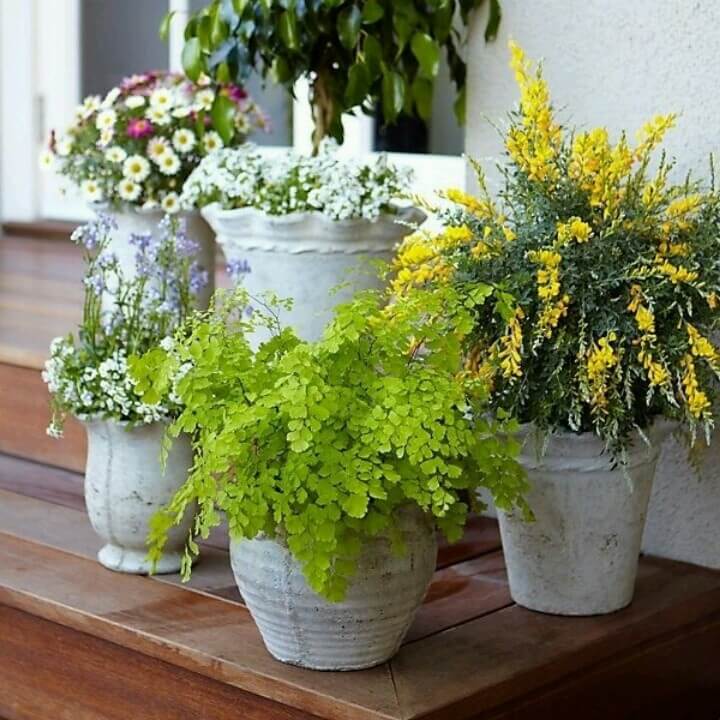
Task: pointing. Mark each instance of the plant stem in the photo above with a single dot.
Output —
(322, 108)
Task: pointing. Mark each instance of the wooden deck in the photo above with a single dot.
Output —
(78, 641)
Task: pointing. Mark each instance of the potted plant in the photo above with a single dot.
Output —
(613, 276)
(131, 151)
(353, 53)
(333, 462)
(88, 377)
(302, 224)
(354, 56)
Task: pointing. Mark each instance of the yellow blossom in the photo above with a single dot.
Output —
(652, 134)
(697, 401)
(676, 273)
(482, 208)
(601, 359)
(511, 346)
(574, 229)
(551, 315)
(700, 346)
(712, 300)
(645, 319)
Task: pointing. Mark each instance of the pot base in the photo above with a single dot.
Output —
(136, 562)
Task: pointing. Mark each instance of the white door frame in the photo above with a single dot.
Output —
(40, 87)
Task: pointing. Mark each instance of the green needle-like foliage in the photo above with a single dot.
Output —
(318, 444)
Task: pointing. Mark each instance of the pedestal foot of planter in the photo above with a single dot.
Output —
(135, 562)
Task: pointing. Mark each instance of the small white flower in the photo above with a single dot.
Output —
(182, 111)
(63, 147)
(106, 119)
(167, 344)
(204, 99)
(90, 105)
(47, 160)
(162, 99)
(115, 154)
(106, 137)
(212, 141)
(136, 168)
(111, 97)
(169, 163)
(91, 191)
(203, 79)
(156, 148)
(170, 203)
(149, 205)
(135, 101)
(183, 140)
(158, 116)
(130, 191)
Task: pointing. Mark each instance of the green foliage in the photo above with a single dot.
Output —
(355, 53)
(319, 444)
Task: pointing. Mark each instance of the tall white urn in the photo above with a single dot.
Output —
(305, 255)
(125, 485)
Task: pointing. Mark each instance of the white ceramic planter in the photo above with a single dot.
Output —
(125, 486)
(365, 629)
(131, 220)
(580, 555)
(684, 514)
(305, 255)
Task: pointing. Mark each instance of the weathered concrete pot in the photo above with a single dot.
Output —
(125, 486)
(365, 629)
(305, 255)
(131, 220)
(684, 514)
(580, 555)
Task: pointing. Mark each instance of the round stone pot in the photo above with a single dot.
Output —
(133, 220)
(125, 486)
(365, 629)
(304, 256)
(580, 555)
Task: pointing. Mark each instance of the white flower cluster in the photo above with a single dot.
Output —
(340, 189)
(107, 391)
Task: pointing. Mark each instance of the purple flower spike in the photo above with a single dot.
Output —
(237, 268)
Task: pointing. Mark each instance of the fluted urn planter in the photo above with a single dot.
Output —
(580, 555)
(125, 486)
(366, 628)
(135, 220)
(305, 255)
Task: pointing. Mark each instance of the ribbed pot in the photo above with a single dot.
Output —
(125, 486)
(305, 255)
(580, 555)
(134, 220)
(365, 629)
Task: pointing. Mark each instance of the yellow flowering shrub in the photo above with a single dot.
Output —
(607, 269)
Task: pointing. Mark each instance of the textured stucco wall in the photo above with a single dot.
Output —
(618, 63)
(608, 62)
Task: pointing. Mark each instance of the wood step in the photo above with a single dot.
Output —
(155, 648)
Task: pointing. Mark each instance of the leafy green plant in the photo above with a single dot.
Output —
(354, 53)
(318, 444)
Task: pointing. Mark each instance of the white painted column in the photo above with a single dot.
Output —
(617, 63)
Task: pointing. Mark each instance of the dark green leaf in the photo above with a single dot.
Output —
(372, 52)
(358, 85)
(204, 29)
(280, 70)
(164, 30)
(427, 53)
(348, 26)
(393, 95)
(422, 92)
(493, 22)
(372, 12)
(192, 61)
(222, 115)
(289, 30)
(459, 106)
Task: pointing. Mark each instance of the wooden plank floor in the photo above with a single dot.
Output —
(470, 652)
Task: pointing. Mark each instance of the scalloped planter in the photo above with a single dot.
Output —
(125, 486)
(301, 628)
(305, 255)
(131, 220)
(580, 555)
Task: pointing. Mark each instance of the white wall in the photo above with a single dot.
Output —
(608, 62)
